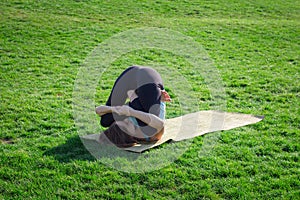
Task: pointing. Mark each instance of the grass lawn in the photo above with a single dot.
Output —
(255, 46)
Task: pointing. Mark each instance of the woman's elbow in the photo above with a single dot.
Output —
(160, 125)
(163, 123)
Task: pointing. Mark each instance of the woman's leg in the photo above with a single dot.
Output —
(118, 96)
(149, 90)
(149, 95)
(147, 84)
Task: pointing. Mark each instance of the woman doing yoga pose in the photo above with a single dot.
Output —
(140, 120)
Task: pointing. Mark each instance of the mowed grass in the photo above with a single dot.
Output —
(254, 45)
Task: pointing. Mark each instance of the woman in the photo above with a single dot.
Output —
(142, 119)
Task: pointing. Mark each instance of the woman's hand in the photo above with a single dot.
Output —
(122, 110)
(101, 110)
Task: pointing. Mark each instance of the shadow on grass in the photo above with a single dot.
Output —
(89, 150)
(72, 149)
(76, 149)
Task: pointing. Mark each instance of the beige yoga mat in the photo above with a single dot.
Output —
(192, 125)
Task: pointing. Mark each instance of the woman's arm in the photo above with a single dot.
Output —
(148, 118)
(101, 110)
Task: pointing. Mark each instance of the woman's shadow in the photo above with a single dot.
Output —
(76, 149)
(72, 149)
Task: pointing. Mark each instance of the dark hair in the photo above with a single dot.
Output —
(118, 137)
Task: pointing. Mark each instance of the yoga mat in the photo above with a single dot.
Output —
(192, 125)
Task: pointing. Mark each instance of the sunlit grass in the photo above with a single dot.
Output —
(254, 45)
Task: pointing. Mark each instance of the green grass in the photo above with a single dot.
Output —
(254, 45)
